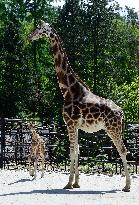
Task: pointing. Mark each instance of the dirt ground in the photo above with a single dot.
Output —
(17, 187)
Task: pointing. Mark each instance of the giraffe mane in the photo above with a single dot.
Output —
(63, 48)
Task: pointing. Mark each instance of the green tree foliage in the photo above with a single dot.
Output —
(99, 17)
(14, 72)
(44, 103)
(69, 25)
(102, 46)
(24, 64)
(127, 95)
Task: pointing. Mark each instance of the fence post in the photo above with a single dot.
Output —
(2, 143)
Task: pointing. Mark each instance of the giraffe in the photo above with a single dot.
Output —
(37, 150)
(82, 109)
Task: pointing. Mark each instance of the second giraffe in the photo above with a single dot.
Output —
(37, 152)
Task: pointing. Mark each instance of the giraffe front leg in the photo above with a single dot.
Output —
(72, 138)
(71, 177)
(76, 183)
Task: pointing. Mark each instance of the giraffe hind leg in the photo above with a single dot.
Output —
(118, 142)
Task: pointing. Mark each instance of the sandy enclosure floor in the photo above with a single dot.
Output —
(17, 187)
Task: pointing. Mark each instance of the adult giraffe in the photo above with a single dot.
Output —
(82, 109)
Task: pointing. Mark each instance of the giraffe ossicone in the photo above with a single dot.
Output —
(82, 109)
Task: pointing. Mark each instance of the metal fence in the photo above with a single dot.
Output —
(97, 152)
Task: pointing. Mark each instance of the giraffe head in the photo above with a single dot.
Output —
(31, 126)
(43, 29)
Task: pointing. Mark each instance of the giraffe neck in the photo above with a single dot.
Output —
(34, 134)
(69, 82)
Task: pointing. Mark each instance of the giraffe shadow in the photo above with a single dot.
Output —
(21, 181)
(78, 192)
(63, 191)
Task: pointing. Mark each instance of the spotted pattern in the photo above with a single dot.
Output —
(37, 150)
(84, 110)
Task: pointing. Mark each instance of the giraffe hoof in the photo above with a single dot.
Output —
(76, 185)
(68, 186)
(126, 189)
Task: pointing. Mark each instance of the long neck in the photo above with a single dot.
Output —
(33, 134)
(68, 80)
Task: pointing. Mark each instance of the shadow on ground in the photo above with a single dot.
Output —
(21, 181)
(62, 191)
